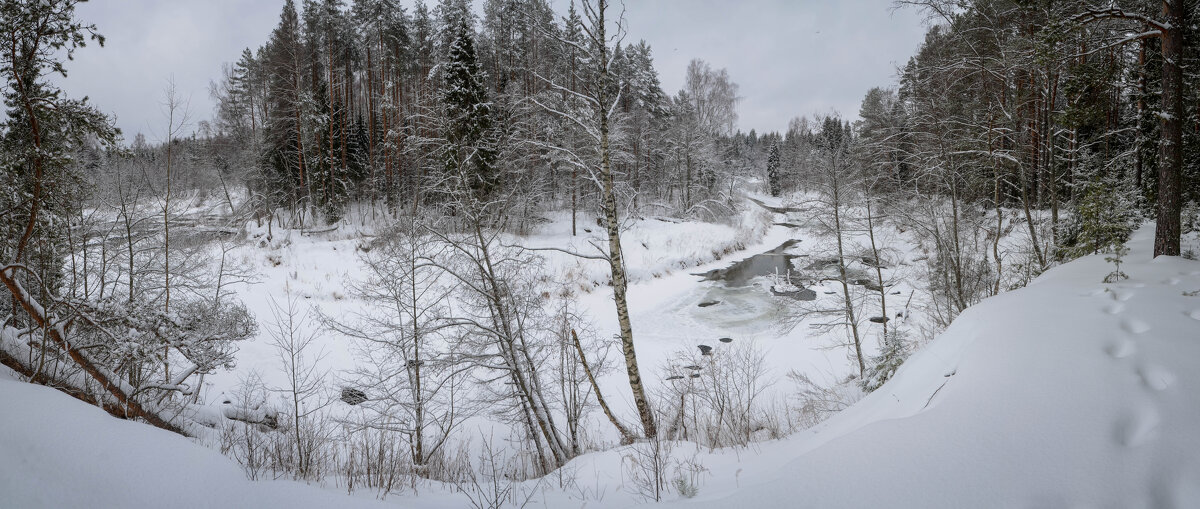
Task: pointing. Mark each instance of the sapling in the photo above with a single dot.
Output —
(1116, 275)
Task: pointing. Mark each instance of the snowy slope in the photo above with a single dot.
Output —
(1068, 393)
(56, 452)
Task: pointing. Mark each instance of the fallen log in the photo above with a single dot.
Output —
(12, 362)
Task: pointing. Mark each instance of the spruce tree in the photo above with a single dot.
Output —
(284, 176)
(773, 181)
(892, 353)
(329, 179)
(471, 154)
(1106, 212)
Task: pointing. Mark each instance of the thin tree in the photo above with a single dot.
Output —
(600, 97)
(293, 336)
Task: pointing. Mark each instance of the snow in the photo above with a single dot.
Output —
(652, 247)
(1067, 393)
(660, 256)
(58, 452)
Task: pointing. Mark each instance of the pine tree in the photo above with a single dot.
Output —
(40, 185)
(284, 178)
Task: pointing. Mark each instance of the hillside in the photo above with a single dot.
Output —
(1061, 394)
(57, 452)
(537, 253)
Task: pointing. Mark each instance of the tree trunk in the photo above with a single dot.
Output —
(878, 266)
(121, 394)
(626, 436)
(1141, 108)
(615, 259)
(1170, 166)
(852, 321)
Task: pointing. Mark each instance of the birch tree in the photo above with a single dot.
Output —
(596, 116)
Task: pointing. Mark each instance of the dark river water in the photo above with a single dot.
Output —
(775, 261)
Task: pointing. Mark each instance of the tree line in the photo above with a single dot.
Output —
(359, 103)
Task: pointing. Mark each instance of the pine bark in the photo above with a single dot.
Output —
(1170, 168)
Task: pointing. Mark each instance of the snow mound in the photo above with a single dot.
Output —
(1067, 393)
(56, 452)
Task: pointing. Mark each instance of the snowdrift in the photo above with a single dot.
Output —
(1067, 393)
(58, 452)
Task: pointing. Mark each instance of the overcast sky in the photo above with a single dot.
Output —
(790, 57)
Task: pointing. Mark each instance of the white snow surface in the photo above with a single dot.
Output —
(1067, 393)
(58, 452)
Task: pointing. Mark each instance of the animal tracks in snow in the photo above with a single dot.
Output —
(1141, 422)
(1134, 326)
(1121, 295)
(1156, 377)
(1121, 348)
(1137, 428)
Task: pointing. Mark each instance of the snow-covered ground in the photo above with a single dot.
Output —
(663, 258)
(320, 268)
(1067, 393)
(56, 452)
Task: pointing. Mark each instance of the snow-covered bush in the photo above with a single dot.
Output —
(814, 402)
(892, 353)
(160, 352)
(247, 443)
(647, 463)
